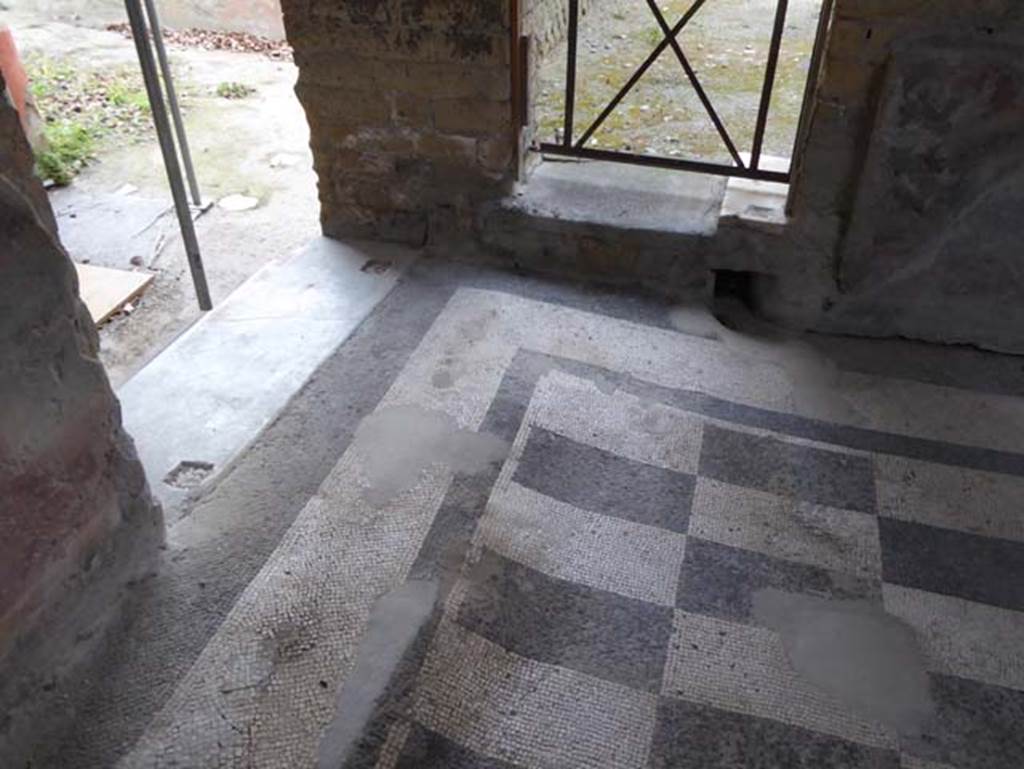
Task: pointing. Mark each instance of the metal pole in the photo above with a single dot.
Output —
(769, 83)
(166, 139)
(570, 73)
(172, 101)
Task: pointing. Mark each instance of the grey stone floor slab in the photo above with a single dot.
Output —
(209, 394)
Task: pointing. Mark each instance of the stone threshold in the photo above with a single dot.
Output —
(198, 403)
(620, 223)
(627, 197)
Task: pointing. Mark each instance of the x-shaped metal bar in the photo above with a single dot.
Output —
(669, 39)
(697, 87)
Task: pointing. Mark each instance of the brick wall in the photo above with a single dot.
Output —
(409, 106)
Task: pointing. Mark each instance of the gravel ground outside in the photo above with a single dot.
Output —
(726, 42)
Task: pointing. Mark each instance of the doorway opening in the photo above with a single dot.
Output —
(100, 159)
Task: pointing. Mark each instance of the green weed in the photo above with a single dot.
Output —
(233, 90)
(69, 146)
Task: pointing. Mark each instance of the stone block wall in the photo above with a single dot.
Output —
(77, 524)
(944, 76)
(410, 110)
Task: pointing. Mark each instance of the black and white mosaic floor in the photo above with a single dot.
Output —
(686, 556)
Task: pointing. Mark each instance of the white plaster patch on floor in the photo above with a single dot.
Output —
(396, 620)
(869, 660)
(812, 377)
(743, 669)
(397, 443)
(238, 202)
(787, 367)
(617, 422)
(695, 320)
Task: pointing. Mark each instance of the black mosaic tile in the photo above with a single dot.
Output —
(720, 581)
(693, 736)
(426, 749)
(981, 569)
(976, 726)
(788, 469)
(597, 480)
(563, 623)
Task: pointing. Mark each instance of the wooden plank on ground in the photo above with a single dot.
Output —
(105, 290)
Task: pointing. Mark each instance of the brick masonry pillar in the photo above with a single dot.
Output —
(409, 107)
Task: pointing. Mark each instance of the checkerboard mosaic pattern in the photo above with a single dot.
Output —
(595, 592)
(604, 614)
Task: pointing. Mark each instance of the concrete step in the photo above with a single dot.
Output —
(204, 398)
(610, 221)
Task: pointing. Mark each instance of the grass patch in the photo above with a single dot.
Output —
(233, 90)
(124, 94)
(83, 110)
(70, 145)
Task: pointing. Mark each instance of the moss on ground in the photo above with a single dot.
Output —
(233, 90)
(83, 110)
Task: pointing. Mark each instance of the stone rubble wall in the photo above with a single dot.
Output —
(77, 524)
(410, 110)
(410, 107)
(547, 22)
(850, 262)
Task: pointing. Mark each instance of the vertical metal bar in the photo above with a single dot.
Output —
(516, 74)
(524, 80)
(516, 69)
(813, 76)
(172, 101)
(570, 73)
(166, 139)
(769, 82)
